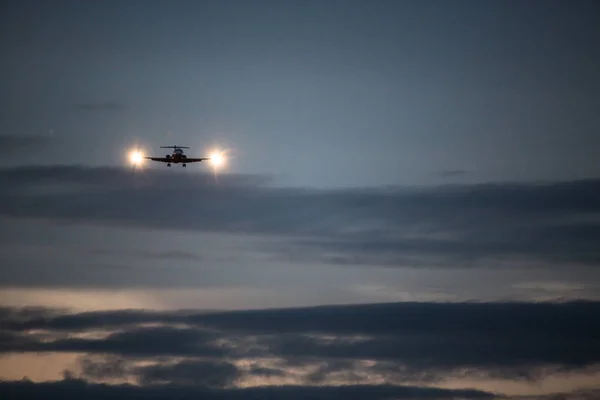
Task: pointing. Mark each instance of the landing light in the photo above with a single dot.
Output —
(217, 159)
(136, 157)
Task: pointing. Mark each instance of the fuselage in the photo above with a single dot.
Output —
(177, 156)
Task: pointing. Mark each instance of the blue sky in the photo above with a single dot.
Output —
(394, 154)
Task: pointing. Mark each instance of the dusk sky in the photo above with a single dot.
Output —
(409, 208)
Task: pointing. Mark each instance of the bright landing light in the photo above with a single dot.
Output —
(135, 157)
(217, 159)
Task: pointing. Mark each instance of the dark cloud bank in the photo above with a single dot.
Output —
(556, 222)
(78, 389)
(404, 342)
(197, 355)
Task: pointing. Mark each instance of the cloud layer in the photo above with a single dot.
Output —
(428, 335)
(447, 225)
(77, 389)
(400, 350)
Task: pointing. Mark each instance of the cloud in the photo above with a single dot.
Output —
(191, 372)
(418, 336)
(396, 350)
(72, 388)
(447, 225)
(140, 341)
(188, 372)
(591, 394)
(107, 367)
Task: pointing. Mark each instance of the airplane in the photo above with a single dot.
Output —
(177, 157)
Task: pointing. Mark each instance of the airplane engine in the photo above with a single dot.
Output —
(168, 156)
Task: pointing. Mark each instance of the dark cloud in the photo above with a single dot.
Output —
(206, 354)
(10, 341)
(568, 319)
(590, 394)
(267, 372)
(40, 318)
(191, 372)
(141, 341)
(188, 372)
(503, 337)
(110, 367)
(101, 106)
(73, 388)
(329, 367)
(445, 225)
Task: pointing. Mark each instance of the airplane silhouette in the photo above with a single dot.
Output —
(177, 157)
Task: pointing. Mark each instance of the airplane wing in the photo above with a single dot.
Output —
(189, 160)
(159, 159)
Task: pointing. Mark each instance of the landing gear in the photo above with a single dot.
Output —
(183, 165)
(169, 164)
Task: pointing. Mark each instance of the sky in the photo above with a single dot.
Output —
(410, 206)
